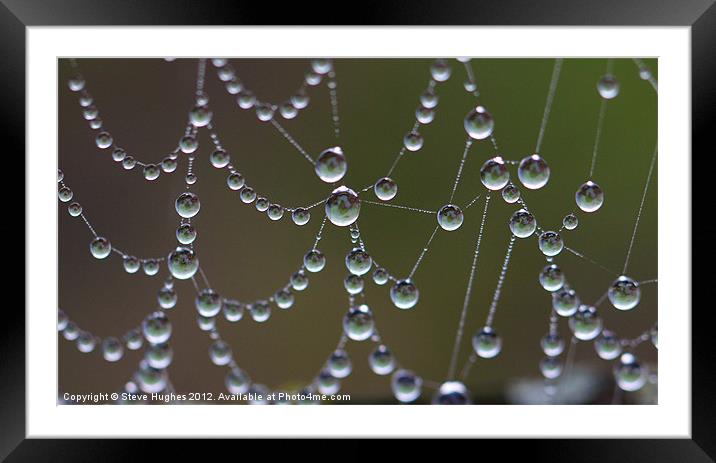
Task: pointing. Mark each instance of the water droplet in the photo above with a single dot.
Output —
(200, 116)
(586, 323)
(151, 172)
(71, 331)
(550, 367)
(358, 261)
(188, 144)
(247, 195)
(380, 276)
(112, 349)
(234, 86)
(327, 383)
(182, 263)
(235, 181)
(300, 99)
(385, 189)
(429, 99)
(131, 264)
(479, 124)
(159, 356)
(424, 115)
(64, 194)
(187, 205)
(104, 140)
(85, 99)
(533, 172)
(494, 174)
(287, 110)
(233, 310)
(321, 65)
(220, 353)
(343, 207)
(331, 165)
(589, 197)
(86, 342)
(150, 266)
(382, 361)
(133, 339)
(550, 243)
(608, 87)
(570, 221)
(237, 382)
(450, 217)
(565, 302)
(156, 328)
(225, 73)
(206, 323)
(129, 162)
(300, 216)
(167, 298)
(314, 261)
(607, 345)
(100, 247)
(624, 293)
(169, 165)
(208, 303)
(452, 393)
(299, 281)
(339, 364)
(413, 141)
(62, 320)
(275, 212)
(186, 233)
(406, 386)
(264, 112)
(354, 284)
(202, 98)
(358, 323)
(118, 154)
(511, 194)
(150, 380)
(522, 224)
(404, 294)
(486, 343)
(552, 345)
(260, 311)
(630, 374)
(440, 70)
(219, 158)
(551, 278)
(76, 83)
(90, 113)
(246, 99)
(284, 299)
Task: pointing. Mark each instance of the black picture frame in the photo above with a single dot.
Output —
(700, 15)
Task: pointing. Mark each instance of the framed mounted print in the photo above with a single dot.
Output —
(449, 205)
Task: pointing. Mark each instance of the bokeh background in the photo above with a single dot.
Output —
(144, 104)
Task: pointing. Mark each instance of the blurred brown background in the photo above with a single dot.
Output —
(144, 104)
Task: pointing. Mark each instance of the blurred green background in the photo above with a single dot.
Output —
(144, 104)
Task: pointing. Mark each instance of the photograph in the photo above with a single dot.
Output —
(357, 231)
(369, 220)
